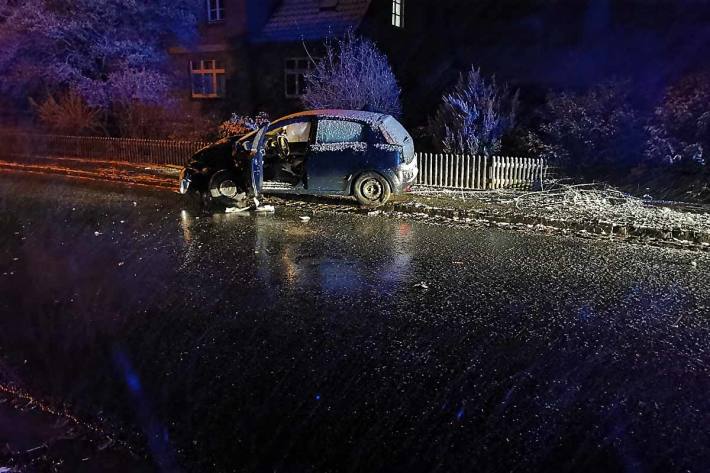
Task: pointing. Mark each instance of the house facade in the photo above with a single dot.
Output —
(252, 55)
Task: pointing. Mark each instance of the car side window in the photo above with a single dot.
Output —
(339, 131)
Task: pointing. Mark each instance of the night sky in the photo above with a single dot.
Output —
(552, 45)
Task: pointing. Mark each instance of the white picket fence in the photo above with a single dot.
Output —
(456, 171)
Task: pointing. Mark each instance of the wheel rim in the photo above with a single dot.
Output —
(371, 189)
(228, 188)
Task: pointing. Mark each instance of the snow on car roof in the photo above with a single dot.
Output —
(367, 117)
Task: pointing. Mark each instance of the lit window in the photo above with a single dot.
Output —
(295, 73)
(397, 13)
(215, 11)
(208, 79)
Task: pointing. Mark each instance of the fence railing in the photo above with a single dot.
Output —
(94, 147)
(478, 172)
(435, 170)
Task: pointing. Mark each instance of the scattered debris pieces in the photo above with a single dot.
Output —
(232, 210)
(266, 209)
(304, 218)
(590, 202)
(422, 285)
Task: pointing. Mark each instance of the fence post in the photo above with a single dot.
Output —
(446, 169)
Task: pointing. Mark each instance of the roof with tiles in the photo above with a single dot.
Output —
(295, 20)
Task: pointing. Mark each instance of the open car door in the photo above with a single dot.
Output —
(257, 160)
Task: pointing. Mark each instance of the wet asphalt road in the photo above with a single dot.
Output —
(351, 343)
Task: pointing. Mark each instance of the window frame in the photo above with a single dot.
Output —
(216, 14)
(398, 13)
(214, 72)
(299, 74)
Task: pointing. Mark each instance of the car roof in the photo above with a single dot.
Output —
(359, 115)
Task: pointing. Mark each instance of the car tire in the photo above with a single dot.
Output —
(224, 189)
(372, 189)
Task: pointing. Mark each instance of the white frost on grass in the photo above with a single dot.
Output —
(588, 202)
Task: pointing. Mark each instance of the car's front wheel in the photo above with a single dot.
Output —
(225, 189)
(371, 189)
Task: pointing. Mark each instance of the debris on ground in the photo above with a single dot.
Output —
(304, 218)
(266, 209)
(233, 210)
(590, 202)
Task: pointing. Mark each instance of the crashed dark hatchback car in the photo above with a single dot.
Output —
(321, 152)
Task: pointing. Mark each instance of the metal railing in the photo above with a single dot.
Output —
(435, 170)
(94, 147)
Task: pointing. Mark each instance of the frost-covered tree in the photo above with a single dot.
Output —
(107, 51)
(474, 116)
(353, 74)
(679, 131)
(599, 127)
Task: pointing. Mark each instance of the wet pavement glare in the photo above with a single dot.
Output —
(227, 342)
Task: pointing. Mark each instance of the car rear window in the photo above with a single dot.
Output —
(339, 131)
(396, 134)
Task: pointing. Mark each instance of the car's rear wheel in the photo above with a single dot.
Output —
(371, 189)
(225, 189)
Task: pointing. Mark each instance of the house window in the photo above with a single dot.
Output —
(296, 70)
(208, 79)
(397, 13)
(215, 10)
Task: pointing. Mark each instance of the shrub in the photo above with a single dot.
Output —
(679, 132)
(474, 116)
(354, 75)
(242, 124)
(68, 114)
(599, 128)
